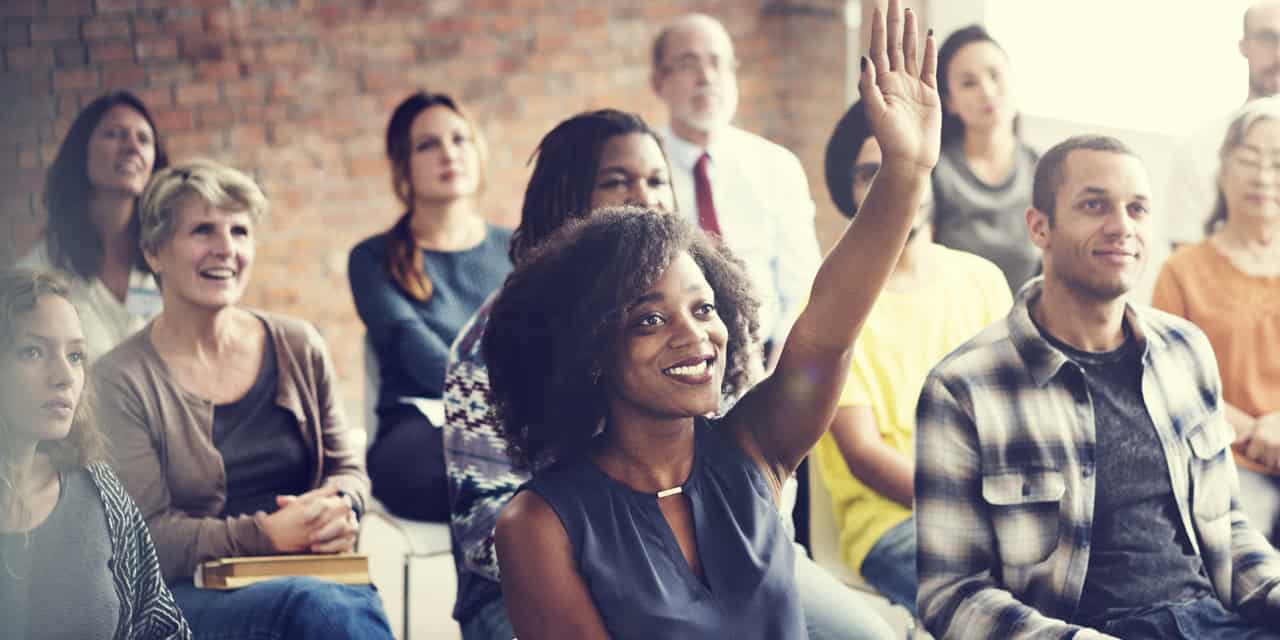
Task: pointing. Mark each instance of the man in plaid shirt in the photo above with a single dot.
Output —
(1073, 468)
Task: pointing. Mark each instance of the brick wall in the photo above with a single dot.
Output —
(298, 93)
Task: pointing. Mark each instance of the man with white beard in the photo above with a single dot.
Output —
(751, 192)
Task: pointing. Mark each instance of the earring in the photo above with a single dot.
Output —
(595, 374)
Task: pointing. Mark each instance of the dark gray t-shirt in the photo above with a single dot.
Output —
(988, 220)
(261, 445)
(1140, 556)
(56, 582)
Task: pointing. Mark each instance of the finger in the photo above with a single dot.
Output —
(331, 529)
(910, 44)
(284, 501)
(929, 68)
(337, 545)
(867, 87)
(893, 25)
(877, 54)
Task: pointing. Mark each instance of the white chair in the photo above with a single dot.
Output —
(421, 540)
(824, 547)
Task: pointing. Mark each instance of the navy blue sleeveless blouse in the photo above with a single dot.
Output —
(639, 579)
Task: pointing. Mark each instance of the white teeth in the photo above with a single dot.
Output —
(218, 273)
(689, 370)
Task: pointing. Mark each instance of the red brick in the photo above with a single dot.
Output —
(245, 92)
(69, 8)
(21, 9)
(224, 70)
(182, 25)
(163, 74)
(223, 21)
(202, 48)
(214, 116)
(54, 30)
(108, 6)
(70, 55)
(206, 93)
(156, 47)
(156, 97)
(75, 79)
(25, 58)
(68, 103)
(247, 136)
(282, 53)
(119, 51)
(146, 25)
(168, 120)
(15, 32)
(106, 28)
(123, 76)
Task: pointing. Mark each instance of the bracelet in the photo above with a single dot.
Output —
(351, 500)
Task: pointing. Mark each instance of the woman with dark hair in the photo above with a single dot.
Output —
(594, 159)
(77, 560)
(91, 194)
(982, 184)
(611, 344)
(414, 287)
(1227, 285)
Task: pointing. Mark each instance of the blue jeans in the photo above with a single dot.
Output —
(489, 622)
(1202, 619)
(284, 608)
(890, 566)
(833, 611)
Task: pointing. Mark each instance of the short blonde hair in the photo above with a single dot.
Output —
(216, 184)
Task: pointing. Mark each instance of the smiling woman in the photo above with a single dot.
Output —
(91, 193)
(610, 348)
(225, 422)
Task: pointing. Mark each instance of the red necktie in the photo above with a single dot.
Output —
(702, 193)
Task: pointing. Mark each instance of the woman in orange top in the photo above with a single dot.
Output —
(1229, 285)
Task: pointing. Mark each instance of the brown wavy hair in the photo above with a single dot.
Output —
(20, 290)
(404, 260)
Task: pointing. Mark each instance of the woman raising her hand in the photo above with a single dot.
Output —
(606, 350)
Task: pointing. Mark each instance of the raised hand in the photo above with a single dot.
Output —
(901, 91)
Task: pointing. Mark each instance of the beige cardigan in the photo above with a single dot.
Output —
(161, 440)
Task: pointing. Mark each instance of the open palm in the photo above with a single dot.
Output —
(900, 90)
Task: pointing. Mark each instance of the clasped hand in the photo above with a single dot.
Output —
(318, 521)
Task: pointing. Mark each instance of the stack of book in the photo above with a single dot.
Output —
(234, 573)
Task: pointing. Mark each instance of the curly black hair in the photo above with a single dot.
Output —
(553, 327)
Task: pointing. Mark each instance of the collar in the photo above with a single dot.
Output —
(685, 154)
(1043, 360)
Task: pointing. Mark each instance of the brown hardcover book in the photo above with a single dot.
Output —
(233, 573)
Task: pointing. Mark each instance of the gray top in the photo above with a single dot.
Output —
(261, 445)
(989, 220)
(1141, 558)
(64, 586)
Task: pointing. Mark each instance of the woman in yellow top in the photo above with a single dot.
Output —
(934, 300)
(1229, 285)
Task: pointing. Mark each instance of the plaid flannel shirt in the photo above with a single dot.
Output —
(1005, 479)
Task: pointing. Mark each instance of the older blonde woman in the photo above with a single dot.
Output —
(225, 422)
(1227, 285)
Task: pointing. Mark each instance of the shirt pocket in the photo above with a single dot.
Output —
(1025, 506)
(1211, 468)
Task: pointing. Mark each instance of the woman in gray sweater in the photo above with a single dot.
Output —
(75, 557)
